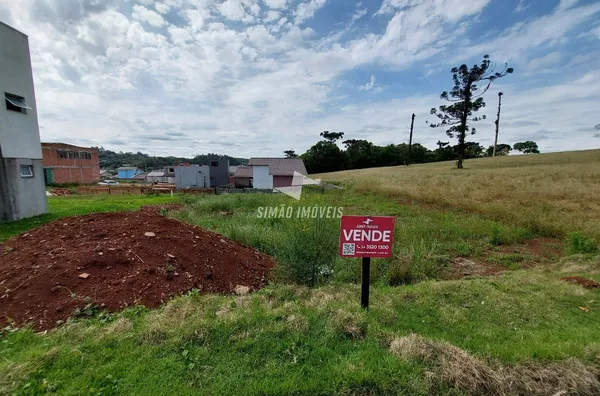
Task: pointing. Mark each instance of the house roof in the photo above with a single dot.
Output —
(280, 166)
(243, 172)
(156, 173)
(124, 168)
(140, 176)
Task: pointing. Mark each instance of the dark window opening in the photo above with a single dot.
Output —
(214, 163)
(26, 171)
(16, 103)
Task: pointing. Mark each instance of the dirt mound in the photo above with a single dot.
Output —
(114, 260)
(587, 283)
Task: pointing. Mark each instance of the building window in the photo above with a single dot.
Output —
(16, 103)
(85, 155)
(214, 163)
(26, 171)
(62, 154)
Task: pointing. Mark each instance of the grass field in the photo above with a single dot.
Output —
(550, 193)
(522, 331)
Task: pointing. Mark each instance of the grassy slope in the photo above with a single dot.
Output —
(553, 193)
(292, 339)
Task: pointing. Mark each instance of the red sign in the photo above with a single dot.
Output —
(367, 236)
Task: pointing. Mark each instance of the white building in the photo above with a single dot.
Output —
(22, 190)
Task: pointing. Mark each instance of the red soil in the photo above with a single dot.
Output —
(587, 283)
(42, 272)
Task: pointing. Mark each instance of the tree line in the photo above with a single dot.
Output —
(327, 156)
(112, 160)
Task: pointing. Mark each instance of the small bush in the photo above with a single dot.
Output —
(577, 243)
(308, 255)
(496, 237)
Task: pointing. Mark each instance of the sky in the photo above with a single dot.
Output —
(256, 77)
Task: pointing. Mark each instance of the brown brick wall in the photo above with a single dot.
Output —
(71, 170)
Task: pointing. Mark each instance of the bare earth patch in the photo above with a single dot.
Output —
(578, 280)
(113, 260)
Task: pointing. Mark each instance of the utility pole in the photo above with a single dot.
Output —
(412, 123)
(497, 122)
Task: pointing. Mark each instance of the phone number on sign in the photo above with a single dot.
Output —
(381, 247)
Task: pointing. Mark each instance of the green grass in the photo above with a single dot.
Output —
(289, 339)
(426, 239)
(74, 205)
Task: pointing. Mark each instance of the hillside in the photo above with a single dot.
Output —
(112, 160)
(552, 193)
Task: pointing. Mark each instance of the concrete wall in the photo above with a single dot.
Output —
(282, 181)
(19, 133)
(219, 173)
(21, 197)
(261, 178)
(193, 176)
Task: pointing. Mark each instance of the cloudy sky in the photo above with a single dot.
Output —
(256, 77)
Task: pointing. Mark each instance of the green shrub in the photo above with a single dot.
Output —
(578, 243)
(308, 255)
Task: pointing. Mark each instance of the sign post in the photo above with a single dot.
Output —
(366, 281)
(366, 237)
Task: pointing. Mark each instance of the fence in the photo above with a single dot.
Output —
(139, 189)
(219, 191)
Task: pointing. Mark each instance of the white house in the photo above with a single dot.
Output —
(22, 189)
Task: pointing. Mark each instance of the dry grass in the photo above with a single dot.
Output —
(551, 193)
(458, 368)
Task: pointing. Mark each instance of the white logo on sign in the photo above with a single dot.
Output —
(298, 180)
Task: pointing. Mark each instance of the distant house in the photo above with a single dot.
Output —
(104, 174)
(282, 169)
(128, 172)
(159, 176)
(268, 173)
(243, 176)
(140, 177)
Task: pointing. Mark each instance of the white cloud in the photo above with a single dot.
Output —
(162, 8)
(448, 10)
(522, 6)
(277, 4)
(565, 5)
(547, 30)
(271, 16)
(305, 11)
(142, 14)
(369, 85)
(545, 61)
(179, 36)
(239, 10)
(358, 14)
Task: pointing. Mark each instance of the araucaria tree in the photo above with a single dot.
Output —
(466, 97)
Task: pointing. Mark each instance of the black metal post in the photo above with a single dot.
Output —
(412, 123)
(366, 280)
